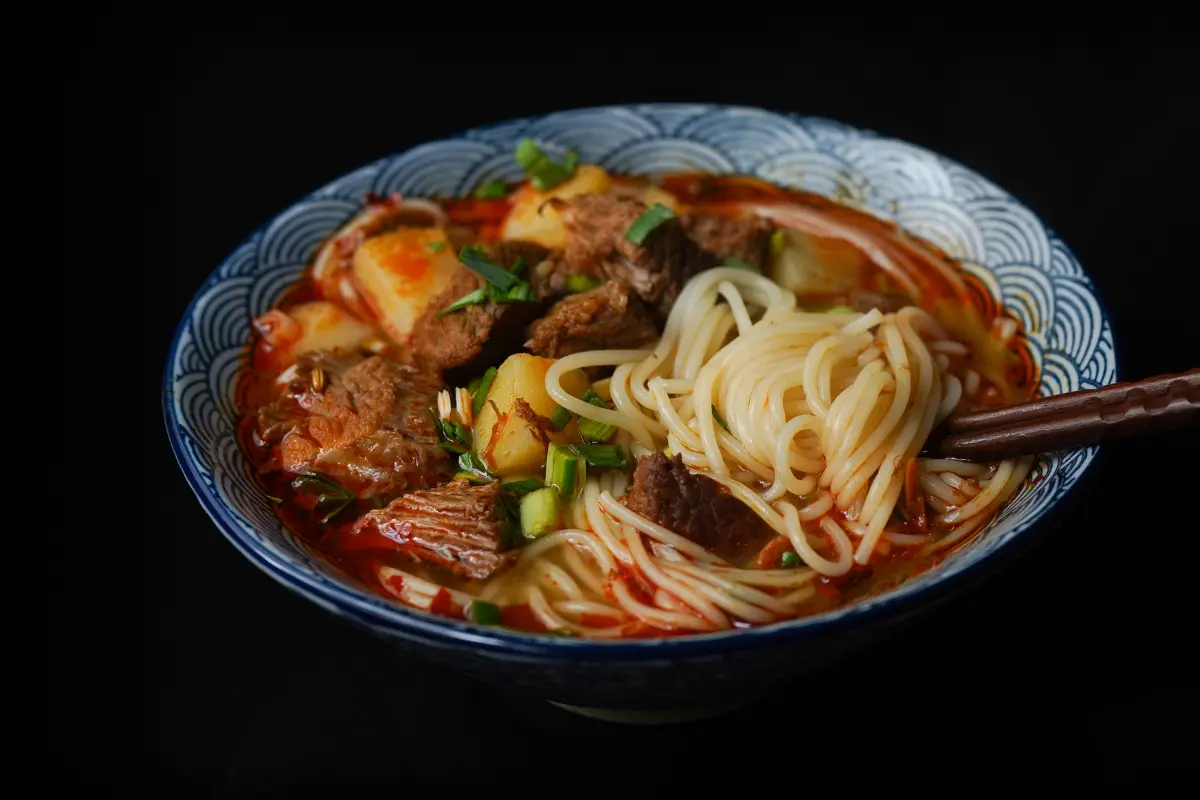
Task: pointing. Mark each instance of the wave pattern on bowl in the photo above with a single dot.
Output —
(999, 240)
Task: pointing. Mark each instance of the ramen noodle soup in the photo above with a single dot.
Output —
(607, 407)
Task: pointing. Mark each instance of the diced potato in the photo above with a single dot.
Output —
(324, 326)
(653, 194)
(520, 447)
(318, 325)
(816, 265)
(400, 272)
(531, 221)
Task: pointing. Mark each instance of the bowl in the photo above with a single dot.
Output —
(993, 235)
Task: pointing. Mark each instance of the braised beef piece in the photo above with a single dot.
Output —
(361, 421)
(459, 526)
(607, 317)
(469, 340)
(596, 247)
(696, 507)
(747, 239)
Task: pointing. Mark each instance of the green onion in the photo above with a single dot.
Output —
(528, 154)
(590, 429)
(779, 240)
(734, 261)
(560, 418)
(484, 613)
(789, 560)
(839, 310)
(521, 486)
(479, 393)
(595, 432)
(565, 633)
(654, 216)
(377, 501)
(520, 292)
(720, 420)
(332, 496)
(437, 247)
(470, 299)
(518, 265)
(472, 256)
(581, 283)
(276, 500)
(469, 462)
(565, 469)
(478, 480)
(602, 455)
(544, 173)
(492, 189)
(455, 432)
(452, 447)
(539, 512)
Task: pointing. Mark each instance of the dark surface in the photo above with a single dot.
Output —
(1077, 657)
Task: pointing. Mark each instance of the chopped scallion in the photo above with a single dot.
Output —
(544, 174)
(479, 392)
(539, 512)
(565, 469)
(474, 298)
(478, 480)
(560, 418)
(602, 455)
(484, 613)
(437, 247)
(581, 283)
(528, 153)
(452, 447)
(469, 462)
(839, 310)
(779, 240)
(590, 429)
(720, 420)
(455, 432)
(789, 560)
(473, 257)
(654, 216)
(276, 500)
(492, 190)
(521, 486)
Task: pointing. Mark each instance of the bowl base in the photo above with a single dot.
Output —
(666, 716)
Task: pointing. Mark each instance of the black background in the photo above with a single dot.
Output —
(1078, 657)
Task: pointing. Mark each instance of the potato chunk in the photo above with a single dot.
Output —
(317, 325)
(816, 265)
(400, 272)
(532, 220)
(520, 443)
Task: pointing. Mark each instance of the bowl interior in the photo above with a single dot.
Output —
(993, 235)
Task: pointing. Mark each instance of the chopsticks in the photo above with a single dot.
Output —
(1068, 421)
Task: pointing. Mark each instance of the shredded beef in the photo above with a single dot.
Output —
(747, 239)
(365, 423)
(607, 317)
(458, 526)
(696, 507)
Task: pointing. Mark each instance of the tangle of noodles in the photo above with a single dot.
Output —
(825, 412)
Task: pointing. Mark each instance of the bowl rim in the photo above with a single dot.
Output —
(397, 618)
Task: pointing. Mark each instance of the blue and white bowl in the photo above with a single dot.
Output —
(995, 237)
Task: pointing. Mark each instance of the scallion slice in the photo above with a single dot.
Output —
(539, 512)
(437, 247)
(452, 447)
(479, 392)
(484, 613)
(789, 560)
(565, 470)
(472, 256)
(581, 283)
(474, 298)
(720, 420)
(560, 418)
(492, 190)
(654, 216)
(590, 429)
(521, 485)
(734, 261)
(602, 455)
(779, 240)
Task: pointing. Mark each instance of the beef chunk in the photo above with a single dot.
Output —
(479, 336)
(362, 421)
(747, 238)
(697, 508)
(607, 317)
(458, 526)
(596, 247)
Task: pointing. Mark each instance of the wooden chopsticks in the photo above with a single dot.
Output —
(1067, 421)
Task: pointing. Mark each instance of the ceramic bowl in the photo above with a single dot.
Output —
(1021, 261)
